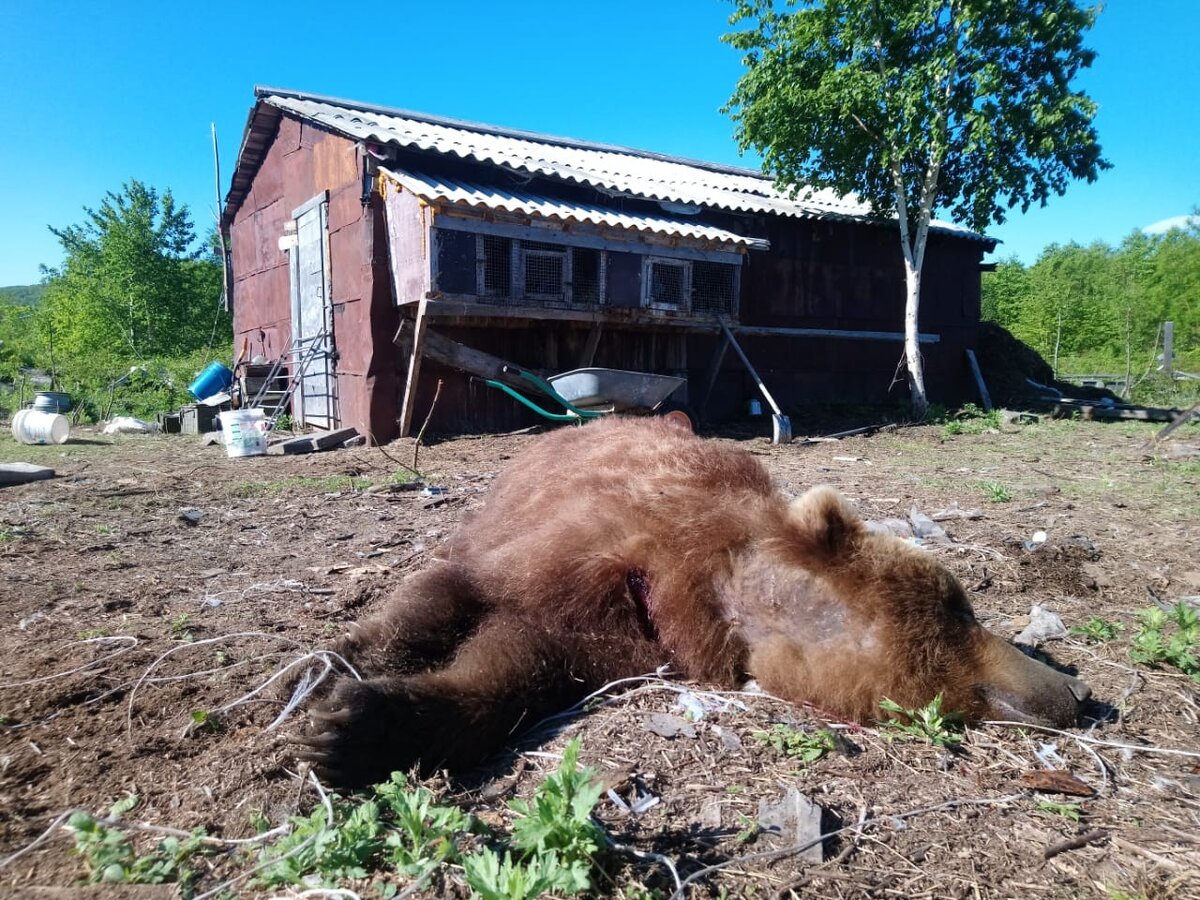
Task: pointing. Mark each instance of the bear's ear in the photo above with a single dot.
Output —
(822, 529)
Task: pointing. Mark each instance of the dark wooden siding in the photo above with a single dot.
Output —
(302, 162)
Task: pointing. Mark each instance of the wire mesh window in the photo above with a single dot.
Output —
(667, 283)
(544, 271)
(495, 263)
(714, 287)
(586, 284)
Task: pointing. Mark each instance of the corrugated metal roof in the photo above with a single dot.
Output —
(605, 167)
(493, 198)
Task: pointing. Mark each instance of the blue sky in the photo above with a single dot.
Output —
(93, 94)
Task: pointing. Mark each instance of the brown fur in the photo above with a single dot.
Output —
(607, 550)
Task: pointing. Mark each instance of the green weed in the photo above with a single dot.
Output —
(111, 858)
(181, 628)
(1070, 811)
(929, 723)
(1155, 642)
(996, 491)
(795, 743)
(400, 829)
(1098, 630)
(969, 419)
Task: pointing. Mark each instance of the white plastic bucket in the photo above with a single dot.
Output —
(32, 426)
(245, 432)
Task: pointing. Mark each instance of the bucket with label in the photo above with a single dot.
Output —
(245, 432)
(32, 426)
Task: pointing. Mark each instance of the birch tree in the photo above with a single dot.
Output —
(961, 107)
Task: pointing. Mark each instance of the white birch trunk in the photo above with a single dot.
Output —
(912, 346)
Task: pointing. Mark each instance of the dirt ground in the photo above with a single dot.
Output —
(153, 583)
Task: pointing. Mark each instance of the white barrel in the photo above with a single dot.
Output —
(32, 426)
(245, 432)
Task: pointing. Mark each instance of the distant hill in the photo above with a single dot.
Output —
(22, 294)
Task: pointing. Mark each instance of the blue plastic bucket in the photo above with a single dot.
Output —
(214, 379)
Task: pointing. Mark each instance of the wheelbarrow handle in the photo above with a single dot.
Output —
(545, 387)
(521, 398)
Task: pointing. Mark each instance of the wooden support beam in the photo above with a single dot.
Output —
(414, 369)
(979, 382)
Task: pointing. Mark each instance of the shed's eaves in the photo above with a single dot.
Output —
(621, 171)
(492, 198)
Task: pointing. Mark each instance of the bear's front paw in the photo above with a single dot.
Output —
(357, 735)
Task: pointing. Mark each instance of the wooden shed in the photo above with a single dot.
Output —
(357, 229)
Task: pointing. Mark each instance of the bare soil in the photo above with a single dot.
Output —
(153, 580)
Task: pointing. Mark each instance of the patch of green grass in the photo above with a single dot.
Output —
(968, 419)
(111, 858)
(1070, 811)
(795, 743)
(928, 723)
(92, 633)
(314, 484)
(1098, 630)
(102, 528)
(996, 491)
(1171, 637)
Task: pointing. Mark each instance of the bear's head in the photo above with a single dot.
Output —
(841, 617)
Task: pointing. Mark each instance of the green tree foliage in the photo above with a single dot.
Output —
(134, 285)
(1100, 308)
(917, 105)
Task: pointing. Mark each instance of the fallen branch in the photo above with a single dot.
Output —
(1080, 840)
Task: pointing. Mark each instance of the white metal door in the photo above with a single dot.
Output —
(315, 404)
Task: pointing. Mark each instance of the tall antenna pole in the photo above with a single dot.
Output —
(220, 224)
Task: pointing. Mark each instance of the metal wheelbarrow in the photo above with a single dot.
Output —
(590, 393)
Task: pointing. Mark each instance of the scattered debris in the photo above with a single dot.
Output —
(668, 726)
(1056, 781)
(1036, 540)
(22, 473)
(1065, 408)
(952, 512)
(189, 515)
(795, 820)
(130, 425)
(1044, 625)
(924, 527)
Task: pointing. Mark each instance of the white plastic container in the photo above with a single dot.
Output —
(32, 426)
(245, 432)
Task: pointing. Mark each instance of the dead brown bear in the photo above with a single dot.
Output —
(608, 550)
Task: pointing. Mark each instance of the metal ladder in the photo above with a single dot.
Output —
(301, 353)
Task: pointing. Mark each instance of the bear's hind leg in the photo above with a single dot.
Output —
(420, 627)
(508, 676)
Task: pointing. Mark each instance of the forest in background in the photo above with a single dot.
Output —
(1100, 309)
(127, 320)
